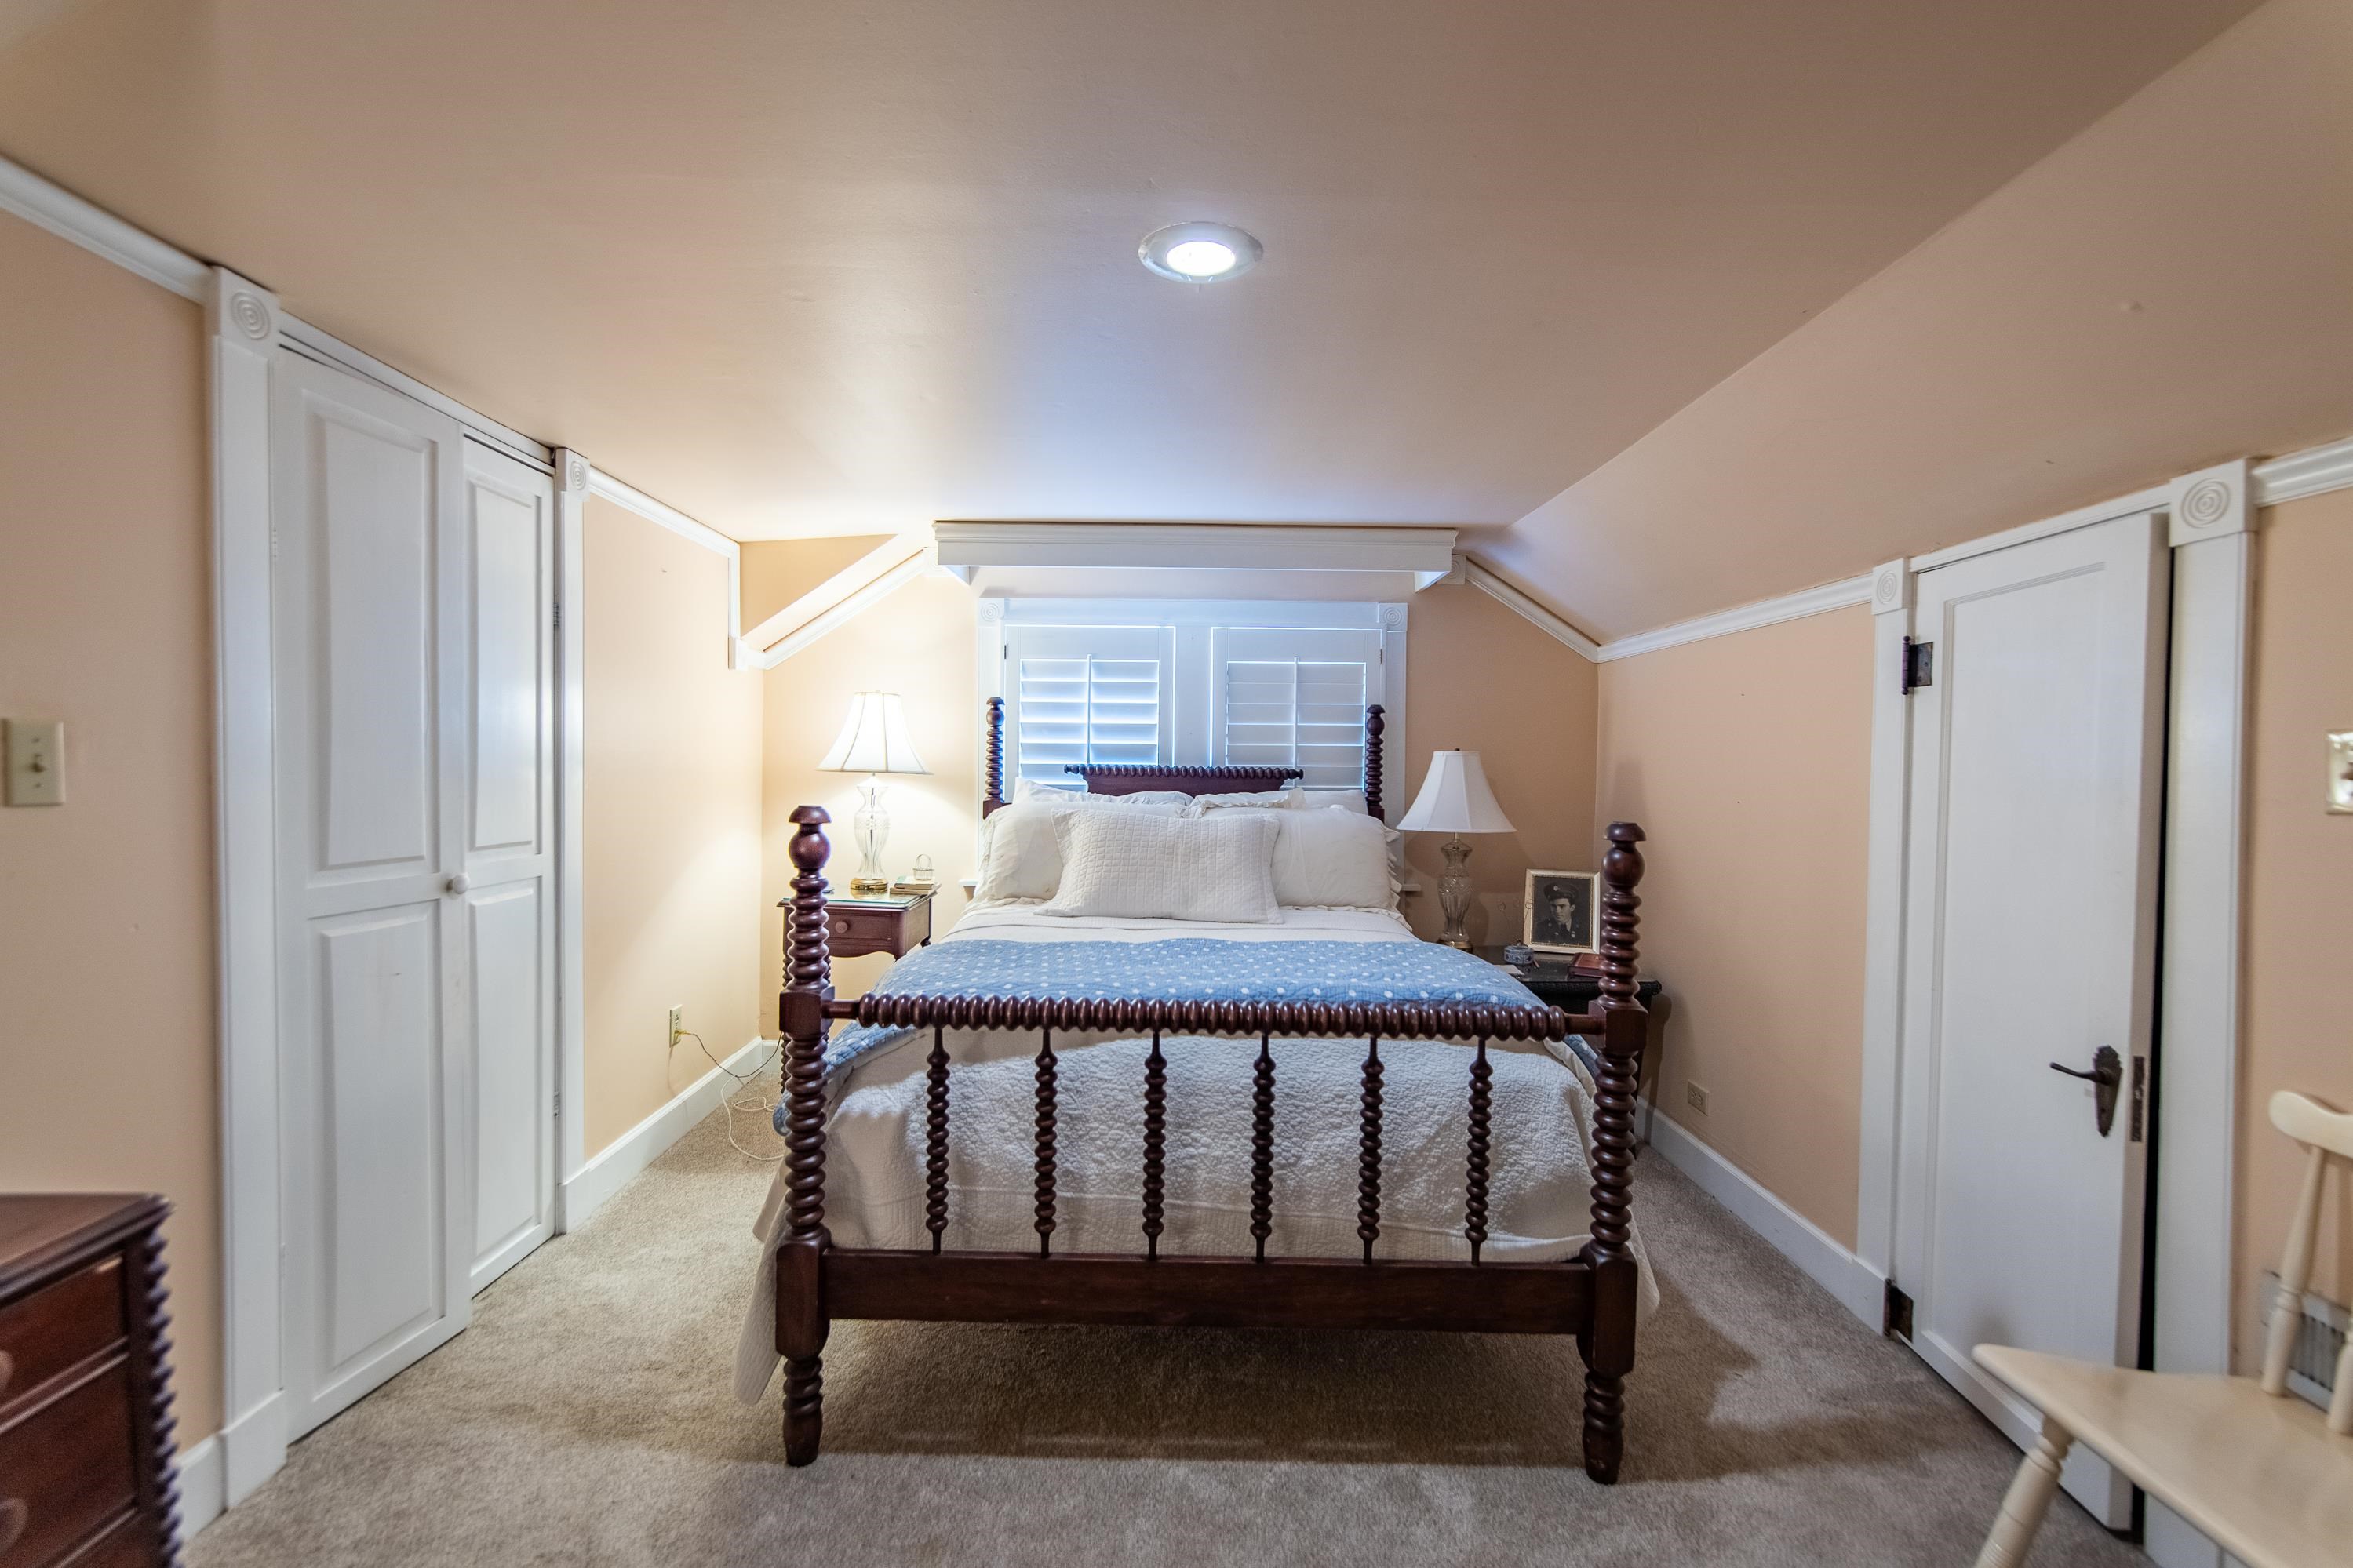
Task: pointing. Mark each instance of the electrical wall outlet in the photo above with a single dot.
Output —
(677, 1025)
(2341, 771)
(36, 761)
(1695, 1097)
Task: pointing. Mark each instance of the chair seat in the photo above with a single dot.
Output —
(2263, 1477)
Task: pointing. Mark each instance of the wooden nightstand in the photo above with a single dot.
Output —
(856, 926)
(1574, 990)
(1568, 989)
(85, 1390)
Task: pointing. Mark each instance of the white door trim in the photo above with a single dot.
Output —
(2212, 616)
(243, 322)
(572, 476)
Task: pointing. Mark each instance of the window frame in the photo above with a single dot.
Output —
(1195, 679)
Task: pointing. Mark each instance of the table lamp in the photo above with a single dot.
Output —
(1455, 800)
(873, 741)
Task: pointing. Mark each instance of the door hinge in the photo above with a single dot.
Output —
(2139, 1095)
(559, 617)
(1919, 666)
(1896, 1314)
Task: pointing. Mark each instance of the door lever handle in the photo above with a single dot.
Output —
(2107, 1072)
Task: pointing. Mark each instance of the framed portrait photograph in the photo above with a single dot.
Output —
(1563, 912)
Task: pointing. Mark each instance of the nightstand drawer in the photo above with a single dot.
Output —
(854, 930)
(66, 1468)
(55, 1327)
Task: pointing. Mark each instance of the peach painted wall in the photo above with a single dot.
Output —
(775, 572)
(108, 1053)
(1479, 678)
(670, 819)
(2299, 886)
(917, 642)
(1747, 757)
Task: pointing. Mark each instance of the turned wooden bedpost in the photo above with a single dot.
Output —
(993, 772)
(801, 1323)
(1374, 725)
(1609, 1347)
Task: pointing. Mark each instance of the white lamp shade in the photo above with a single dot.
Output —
(1455, 799)
(874, 738)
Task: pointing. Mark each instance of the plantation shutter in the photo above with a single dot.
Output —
(1086, 694)
(1295, 698)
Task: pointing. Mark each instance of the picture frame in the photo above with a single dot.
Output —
(1561, 913)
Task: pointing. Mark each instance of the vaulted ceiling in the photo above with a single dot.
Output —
(817, 268)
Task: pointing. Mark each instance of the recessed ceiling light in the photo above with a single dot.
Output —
(1199, 252)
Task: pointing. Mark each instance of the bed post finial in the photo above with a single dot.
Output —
(1374, 725)
(1609, 1349)
(993, 775)
(1622, 873)
(801, 1323)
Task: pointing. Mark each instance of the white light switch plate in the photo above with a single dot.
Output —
(2341, 771)
(36, 761)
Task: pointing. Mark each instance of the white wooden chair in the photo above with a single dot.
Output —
(2267, 1477)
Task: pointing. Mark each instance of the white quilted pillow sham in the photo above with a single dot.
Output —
(1139, 865)
(1262, 799)
(1030, 790)
(1329, 856)
(1019, 856)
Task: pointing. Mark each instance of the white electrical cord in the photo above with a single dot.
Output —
(739, 1101)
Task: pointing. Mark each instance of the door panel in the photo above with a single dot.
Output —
(372, 570)
(2028, 939)
(507, 967)
(377, 1190)
(514, 1122)
(510, 595)
(381, 1062)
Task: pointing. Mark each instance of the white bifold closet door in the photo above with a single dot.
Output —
(414, 656)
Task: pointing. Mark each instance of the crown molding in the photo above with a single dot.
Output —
(51, 207)
(2313, 471)
(631, 499)
(1471, 574)
(859, 574)
(972, 549)
(842, 610)
(1794, 606)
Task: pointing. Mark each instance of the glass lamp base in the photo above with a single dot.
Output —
(1455, 891)
(872, 825)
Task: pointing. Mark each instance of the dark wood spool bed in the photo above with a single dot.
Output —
(1591, 1296)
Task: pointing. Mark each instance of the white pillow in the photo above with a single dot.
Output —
(1030, 790)
(1263, 800)
(1019, 856)
(1140, 865)
(1330, 854)
(1352, 799)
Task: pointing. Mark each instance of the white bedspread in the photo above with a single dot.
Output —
(1539, 1197)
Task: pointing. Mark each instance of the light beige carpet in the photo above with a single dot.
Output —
(585, 1419)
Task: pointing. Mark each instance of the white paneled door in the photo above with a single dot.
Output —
(509, 803)
(2029, 938)
(411, 591)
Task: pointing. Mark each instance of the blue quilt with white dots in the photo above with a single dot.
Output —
(1185, 969)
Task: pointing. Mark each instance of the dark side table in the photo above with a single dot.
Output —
(1575, 990)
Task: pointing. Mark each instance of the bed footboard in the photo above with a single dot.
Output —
(1591, 1296)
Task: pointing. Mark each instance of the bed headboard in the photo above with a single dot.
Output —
(1133, 778)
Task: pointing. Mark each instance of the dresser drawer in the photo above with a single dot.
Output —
(67, 1466)
(55, 1327)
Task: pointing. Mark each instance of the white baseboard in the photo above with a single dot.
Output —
(584, 1192)
(252, 1449)
(1855, 1283)
(204, 1485)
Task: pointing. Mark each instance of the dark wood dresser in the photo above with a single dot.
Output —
(85, 1449)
